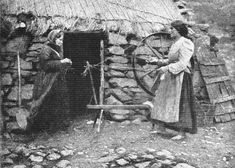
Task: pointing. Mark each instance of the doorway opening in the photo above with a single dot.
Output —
(81, 47)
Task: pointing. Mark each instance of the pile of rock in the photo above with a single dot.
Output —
(149, 159)
(36, 156)
(40, 156)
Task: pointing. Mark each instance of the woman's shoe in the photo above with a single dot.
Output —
(180, 136)
(160, 130)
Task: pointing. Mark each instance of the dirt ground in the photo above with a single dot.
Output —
(211, 147)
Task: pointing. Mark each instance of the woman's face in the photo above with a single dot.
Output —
(174, 33)
(59, 41)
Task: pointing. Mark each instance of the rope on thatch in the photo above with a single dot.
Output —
(82, 8)
(151, 22)
(118, 4)
(123, 12)
(167, 9)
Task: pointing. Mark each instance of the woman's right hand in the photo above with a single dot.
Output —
(152, 60)
(162, 62)
(66, 61)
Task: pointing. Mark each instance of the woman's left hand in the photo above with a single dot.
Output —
(163, 69)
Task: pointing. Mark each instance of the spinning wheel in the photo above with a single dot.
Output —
(154, 46)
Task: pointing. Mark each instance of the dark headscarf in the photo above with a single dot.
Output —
(52, 36)
(180, 27)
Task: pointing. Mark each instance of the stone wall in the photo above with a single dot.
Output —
(29, 49)
(121, 86)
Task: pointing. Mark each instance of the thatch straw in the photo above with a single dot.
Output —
(137, 15)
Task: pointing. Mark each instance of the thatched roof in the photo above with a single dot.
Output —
(139, 16)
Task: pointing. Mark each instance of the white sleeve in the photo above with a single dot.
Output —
(186, 52)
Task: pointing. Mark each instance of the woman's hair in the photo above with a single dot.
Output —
(180, 27)
(53, 35)
(183, 31)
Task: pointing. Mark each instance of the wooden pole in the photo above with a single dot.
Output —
(1, 115)
(92, 82)
(19, 79)
(127, 107)
(101, 82)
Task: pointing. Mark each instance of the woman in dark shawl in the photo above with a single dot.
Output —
(50, 106)
(173, 103)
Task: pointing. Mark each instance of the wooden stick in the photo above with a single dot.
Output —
(92, 82)
(1, 114)
(19, 79)
(101, 83)
(159, 56)
(148, 73)
(127, 107)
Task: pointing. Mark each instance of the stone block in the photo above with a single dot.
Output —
(39, 39)
(143, 50)
(106, 85)
(136, 90)
(18, 44)
(147, 81)
(63, 164)
(9, 104)
(25, 73)
(117, 59)
(5, 64)
(23, 64)
(35, 46)
(26, 92)
(141, 97)
(12, 126)
(119, 117)
(113, 73)
(116, 39)
(120, 67)
(120, 111)
(122, 82)
(120, 95)
(116, 50)
(130, 74)
(32, 54)
(32, 59)
(183, 165)
(112, 100)
(6, 79)
(12, 111)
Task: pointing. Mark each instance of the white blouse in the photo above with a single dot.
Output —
(181, 52)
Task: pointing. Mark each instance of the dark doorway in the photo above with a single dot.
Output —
(81, 47)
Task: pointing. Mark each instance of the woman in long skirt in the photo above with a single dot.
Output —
(173, 103)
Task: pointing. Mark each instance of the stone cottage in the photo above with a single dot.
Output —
(101, 36)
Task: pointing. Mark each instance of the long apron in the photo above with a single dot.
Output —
(174, 102)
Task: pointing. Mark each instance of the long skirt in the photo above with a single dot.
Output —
(186, 114)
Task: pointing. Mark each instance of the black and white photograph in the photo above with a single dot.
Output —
(117, 83)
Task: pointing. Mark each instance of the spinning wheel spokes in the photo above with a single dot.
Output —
(157, 44)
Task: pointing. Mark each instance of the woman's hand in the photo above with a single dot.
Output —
(66, 61)
(163, 69)
(152, 60)
(162, 62)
